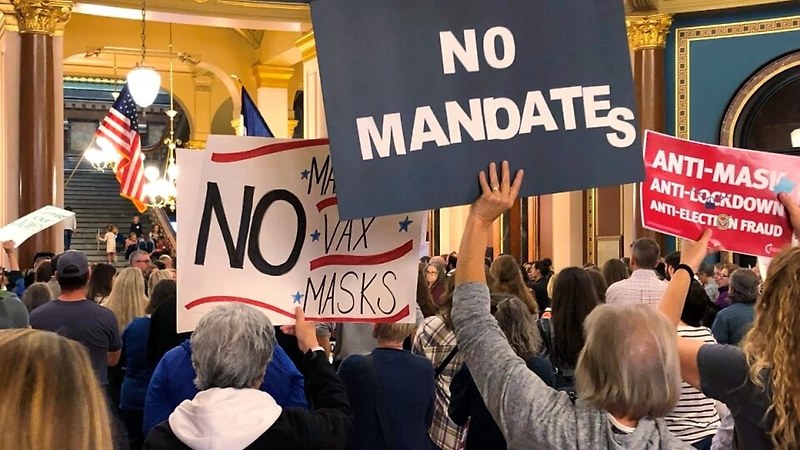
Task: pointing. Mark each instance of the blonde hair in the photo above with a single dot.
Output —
(632, 370)
(155, 277)
(394, 332)
(50, 395)
(127, 299)
(772, 346)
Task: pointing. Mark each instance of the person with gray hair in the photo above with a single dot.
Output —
(139, 259)
(627, 373)
(733, 322)
(231, 347)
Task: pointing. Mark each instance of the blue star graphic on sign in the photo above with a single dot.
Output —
(297, 297)
(315, 236)
(404, 224)
(785, 185)
(304, 174)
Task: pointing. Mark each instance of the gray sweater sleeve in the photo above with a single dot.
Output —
(527, 411)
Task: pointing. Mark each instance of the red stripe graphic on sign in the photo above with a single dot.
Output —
(327, 202)
(403, 313)
(363, 260)
(268, 149)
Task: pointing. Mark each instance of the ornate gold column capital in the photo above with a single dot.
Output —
(307, 46)
(648, 31)
(272, 76)
(41, 16)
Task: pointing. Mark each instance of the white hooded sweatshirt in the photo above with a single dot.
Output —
(224, 418)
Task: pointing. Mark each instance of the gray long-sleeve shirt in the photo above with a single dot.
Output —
(529, 413)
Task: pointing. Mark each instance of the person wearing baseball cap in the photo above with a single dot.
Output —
(74, 316)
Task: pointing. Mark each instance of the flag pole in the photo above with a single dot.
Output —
(83, 155)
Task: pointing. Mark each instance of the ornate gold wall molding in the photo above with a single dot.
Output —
(590, 225)
(307, 46)
(648, 31)
(41, 16)
(272, 76)
(640, 5)
(195, 145)
(684, 6)
(252, 37)
(684, 37)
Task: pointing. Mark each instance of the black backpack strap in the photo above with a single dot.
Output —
(383, 423)
(445, 362)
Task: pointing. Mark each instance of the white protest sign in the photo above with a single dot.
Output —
(23, 228)
(259, 225)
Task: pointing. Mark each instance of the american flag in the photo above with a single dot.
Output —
(120, 128)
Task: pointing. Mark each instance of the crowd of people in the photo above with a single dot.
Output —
(155, 243)
(640, 353)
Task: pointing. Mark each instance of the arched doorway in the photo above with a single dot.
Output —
(764, 113)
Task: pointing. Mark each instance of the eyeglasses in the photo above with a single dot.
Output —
(429, 272)
(142, 261)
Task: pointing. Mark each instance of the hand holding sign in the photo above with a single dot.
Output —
(306, 332)
(793, 211)
(694, 252)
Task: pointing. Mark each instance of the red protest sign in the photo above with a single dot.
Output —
(690, 186)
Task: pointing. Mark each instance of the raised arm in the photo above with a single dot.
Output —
(521, 404)
(692, 255)
(11, 254)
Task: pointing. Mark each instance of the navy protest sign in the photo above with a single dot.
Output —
(259, 225)
(420, 95)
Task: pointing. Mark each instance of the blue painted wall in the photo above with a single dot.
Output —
(719, 67)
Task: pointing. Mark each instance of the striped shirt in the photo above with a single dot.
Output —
(695, 416)
(435, 341)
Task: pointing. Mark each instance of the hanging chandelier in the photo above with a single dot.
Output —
(160, 191)
(143, 81)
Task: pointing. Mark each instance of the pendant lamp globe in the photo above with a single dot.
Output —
(144, 83)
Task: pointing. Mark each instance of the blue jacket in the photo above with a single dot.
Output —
(134, 360)
(173, 382)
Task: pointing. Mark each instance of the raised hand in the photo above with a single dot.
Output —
(306, 332)
(497, 194)
(793, 211)
(694, 252)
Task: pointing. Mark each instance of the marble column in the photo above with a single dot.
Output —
(272, 96)
(647, 37)
(39, 158)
